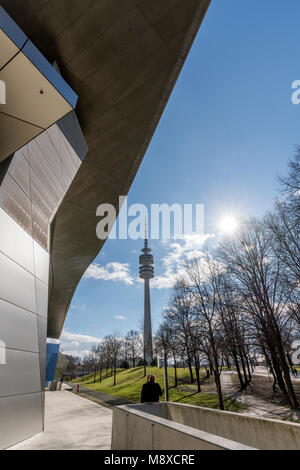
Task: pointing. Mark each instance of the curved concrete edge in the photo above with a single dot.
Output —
(134, 429)
(261, 433)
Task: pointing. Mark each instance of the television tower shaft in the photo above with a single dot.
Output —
(146, 272)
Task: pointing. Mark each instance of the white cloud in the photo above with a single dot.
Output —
(76, 344)
(69, 337)
(117, 272)
(188, 247)
(80, 307)
(120, 317)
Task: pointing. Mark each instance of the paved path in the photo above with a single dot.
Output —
(72, 422)
(261, 370)
(102, 398)
(257, 406)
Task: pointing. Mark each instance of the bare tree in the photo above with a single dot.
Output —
(201, 278)
(258, 273)
(180, 315)
(133, 341)
(115, 344)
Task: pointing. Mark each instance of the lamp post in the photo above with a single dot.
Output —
(166, 374)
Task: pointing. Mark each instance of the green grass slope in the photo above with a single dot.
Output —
(130, 381)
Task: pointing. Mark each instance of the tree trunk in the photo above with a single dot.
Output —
(217, 380)
(211, 369)
(191, 370)
(248, 365)
(277, 369)
(198, 378)
(286, 373)
(175, 372)
(290, 361)
(237, 366)
(243, 366)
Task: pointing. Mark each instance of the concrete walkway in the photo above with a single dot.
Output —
(100, 397)
(72, 422)
(256, 406)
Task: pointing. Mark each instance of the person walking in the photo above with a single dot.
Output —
(151, 390)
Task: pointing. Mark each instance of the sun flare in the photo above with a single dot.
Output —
(228, 224)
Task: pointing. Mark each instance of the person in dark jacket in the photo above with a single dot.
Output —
(151, 390)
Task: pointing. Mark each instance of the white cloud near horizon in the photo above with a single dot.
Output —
(76, 344)
(120, 317)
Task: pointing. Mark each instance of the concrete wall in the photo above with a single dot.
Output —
(267, 434)
(179, 426)
(135, 429)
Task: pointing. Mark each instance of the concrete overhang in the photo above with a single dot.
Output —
(35, 95)
(122, 57)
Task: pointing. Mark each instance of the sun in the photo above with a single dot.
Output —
(228, 224)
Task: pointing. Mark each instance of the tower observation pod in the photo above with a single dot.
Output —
(146, 272)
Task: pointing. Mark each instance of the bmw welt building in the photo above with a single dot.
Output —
(83, 84)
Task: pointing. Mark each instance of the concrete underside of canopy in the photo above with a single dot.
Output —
(122, 58)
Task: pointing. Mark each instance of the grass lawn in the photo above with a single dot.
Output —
(130, 381)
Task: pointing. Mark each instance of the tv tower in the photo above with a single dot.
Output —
(147, 273)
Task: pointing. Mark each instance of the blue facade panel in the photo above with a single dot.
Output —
(51, 361)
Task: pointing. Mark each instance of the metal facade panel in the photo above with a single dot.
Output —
(21, 131)
(44, 171)
(15, 242)
(42, 333)
(41, 263)
(21, 418)
(40, 227)
(21, 374)
(8, 49)
(49, 72)
(50, 152)
(37, 96)
(41, 197)
(16, 203)
(16, 284)
(41, 298)
(19, 171)
(33, 99)
(18, 327)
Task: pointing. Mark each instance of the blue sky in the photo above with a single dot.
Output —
(227, 132)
